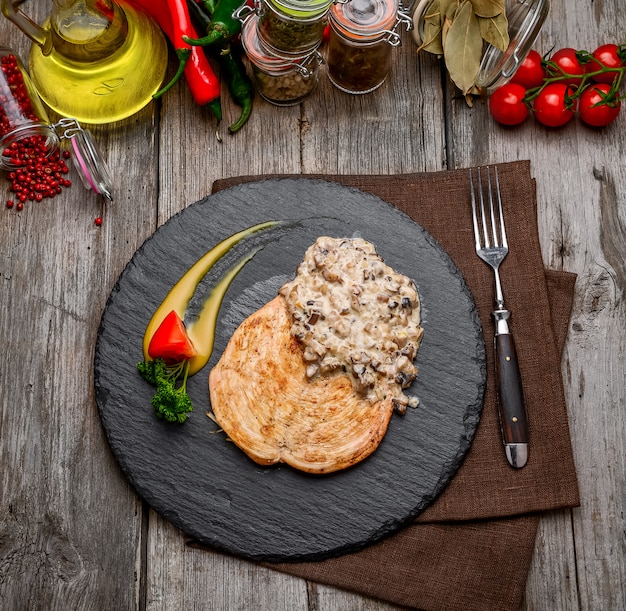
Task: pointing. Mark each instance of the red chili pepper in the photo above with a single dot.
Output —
(201, 78)
(171, 342)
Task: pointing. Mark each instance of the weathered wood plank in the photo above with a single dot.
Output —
(553, 580)
(348, 134)
(181, 576)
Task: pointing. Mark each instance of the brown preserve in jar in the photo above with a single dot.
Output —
(362, 36)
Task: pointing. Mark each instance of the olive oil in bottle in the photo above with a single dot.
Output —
(104, 65)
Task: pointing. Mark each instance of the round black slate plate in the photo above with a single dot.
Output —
(204, 484)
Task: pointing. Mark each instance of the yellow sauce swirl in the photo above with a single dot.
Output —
(202, 330)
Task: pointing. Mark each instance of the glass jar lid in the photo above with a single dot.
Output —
(525, 17)
(364, 19)
(86, 157)
(268, 62)
(301, 9)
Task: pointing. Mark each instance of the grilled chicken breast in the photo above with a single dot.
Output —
(264, 401)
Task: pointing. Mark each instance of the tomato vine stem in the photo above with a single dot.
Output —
(611, 98)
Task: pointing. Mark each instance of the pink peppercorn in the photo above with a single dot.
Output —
(37, 168)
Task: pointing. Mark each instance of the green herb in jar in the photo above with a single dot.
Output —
(288, 34)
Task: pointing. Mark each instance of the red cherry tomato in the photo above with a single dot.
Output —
(506, 104)
(566, 62)
(592, 108)
(606, 56)
(552, 106)
(170, 341)
(531, 72)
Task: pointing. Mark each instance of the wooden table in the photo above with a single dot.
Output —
(73, 533)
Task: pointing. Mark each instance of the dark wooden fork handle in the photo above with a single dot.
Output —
(513, 420)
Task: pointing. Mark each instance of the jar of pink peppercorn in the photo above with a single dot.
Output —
(26, 131)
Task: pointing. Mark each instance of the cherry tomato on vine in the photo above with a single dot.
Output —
(531, 72)
(553, 106)
(591, 108)
(606, 56)
(565, 61)
(507, 106)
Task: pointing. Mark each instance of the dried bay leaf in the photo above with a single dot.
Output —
(472, 94)
(432, 41)
(463, 47)
(433, 10)
(488, 8)
(495, 30)
(448, 8)
(431, 36)
(445, 27)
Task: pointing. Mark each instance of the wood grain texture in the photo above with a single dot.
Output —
(73, 534)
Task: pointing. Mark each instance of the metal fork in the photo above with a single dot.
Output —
(492, 247)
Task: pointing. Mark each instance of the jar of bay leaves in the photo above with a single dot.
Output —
(282, 81)
(504, 31)
(525, 19)
(292, 27)
(362, 36)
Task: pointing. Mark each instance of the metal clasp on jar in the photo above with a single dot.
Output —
(246, 10)
(69, 128)
(392, 36)
(403, 16)
(302, 66)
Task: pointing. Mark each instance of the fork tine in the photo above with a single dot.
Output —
(474, 215)
(494, 231)
(481, 199)
(502, 229)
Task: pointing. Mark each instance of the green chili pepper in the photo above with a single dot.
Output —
(230, 58)
(200, 15)
(222, 25)
(239, 84)
(209, 6)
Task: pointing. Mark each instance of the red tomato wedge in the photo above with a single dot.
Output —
(170, 341)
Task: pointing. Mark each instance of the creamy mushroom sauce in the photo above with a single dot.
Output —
(355, 314)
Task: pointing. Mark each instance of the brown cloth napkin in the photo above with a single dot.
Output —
(471, 549)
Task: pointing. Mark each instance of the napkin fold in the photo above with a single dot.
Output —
(471, 549)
